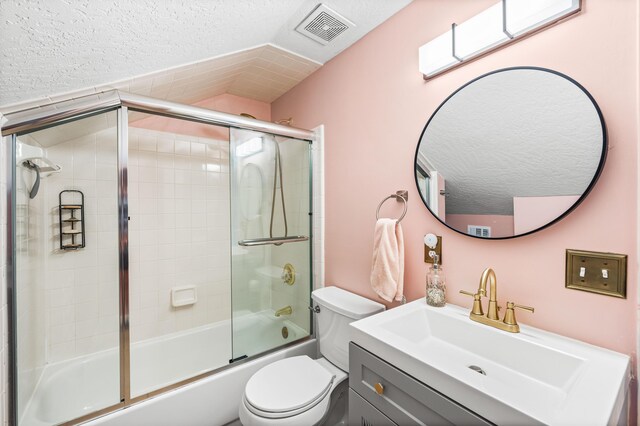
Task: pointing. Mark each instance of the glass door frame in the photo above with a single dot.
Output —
(271, 241)
(57, 113)
(9, 160)
(123, 256)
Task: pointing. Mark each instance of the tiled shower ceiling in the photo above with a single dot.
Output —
(180, 50)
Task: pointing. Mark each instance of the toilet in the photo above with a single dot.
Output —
(300, 390)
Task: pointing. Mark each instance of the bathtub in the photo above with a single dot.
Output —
(83, 385)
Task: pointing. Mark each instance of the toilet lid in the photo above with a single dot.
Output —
(287, 385)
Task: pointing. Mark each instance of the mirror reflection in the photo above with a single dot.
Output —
(510, 152)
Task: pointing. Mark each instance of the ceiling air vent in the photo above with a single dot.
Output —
(323, 25)
(479, 231)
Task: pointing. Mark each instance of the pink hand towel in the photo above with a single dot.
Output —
(387, 272)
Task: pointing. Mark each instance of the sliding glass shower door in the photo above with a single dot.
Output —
(149, 251)
(66, 276)
(270, 241)
(179, 265)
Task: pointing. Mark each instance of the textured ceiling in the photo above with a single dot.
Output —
(53, 47)
(263, 73)
(518, 133)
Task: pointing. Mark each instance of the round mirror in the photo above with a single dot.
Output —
(510, 153)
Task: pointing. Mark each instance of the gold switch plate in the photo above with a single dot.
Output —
(592, 278)
(438, 250)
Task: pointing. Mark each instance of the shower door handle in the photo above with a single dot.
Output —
(276, 241)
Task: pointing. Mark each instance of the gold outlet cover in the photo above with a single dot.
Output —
(438, 250)
(585, 270)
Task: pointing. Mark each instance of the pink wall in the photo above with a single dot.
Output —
(501, 225)
(223, 103)
(374, 104)
(533, 212)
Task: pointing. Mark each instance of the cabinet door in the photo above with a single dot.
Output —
(361, 413)
(404, 399)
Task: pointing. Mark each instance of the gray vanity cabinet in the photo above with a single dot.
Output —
(361, 413)
(399, 399)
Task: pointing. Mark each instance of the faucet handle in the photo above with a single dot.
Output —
(510, 315)
(477, 304)
(528, 308)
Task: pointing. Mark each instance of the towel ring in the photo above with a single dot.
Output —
(398, 197)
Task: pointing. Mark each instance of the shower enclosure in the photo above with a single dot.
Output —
(150, 244)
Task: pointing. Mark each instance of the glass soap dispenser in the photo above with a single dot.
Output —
(435, 284)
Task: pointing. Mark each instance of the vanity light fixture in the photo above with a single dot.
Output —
(500, 24)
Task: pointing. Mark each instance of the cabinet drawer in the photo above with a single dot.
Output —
(404, 400)
(361, 413)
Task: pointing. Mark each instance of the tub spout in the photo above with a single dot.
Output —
(287, 310)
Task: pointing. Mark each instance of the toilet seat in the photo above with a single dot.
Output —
(287, 388)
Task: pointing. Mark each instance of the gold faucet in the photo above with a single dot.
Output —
(287, 310)
(489, 275)
(492, 318)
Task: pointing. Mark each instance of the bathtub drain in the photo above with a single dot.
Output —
(285, 332)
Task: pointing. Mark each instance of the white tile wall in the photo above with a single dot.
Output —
(179, 235)
(82, 285)
(178, 231)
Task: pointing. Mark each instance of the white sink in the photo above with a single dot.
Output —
(530, 377)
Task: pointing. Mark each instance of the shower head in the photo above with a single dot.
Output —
(36, 185)
(48, 168)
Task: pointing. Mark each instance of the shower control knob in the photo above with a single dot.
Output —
(288, 275)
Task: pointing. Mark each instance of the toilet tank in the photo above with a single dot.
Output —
(338, 308)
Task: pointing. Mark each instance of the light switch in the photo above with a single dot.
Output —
(602, 273)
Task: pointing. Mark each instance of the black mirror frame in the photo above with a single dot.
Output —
(596, 176)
